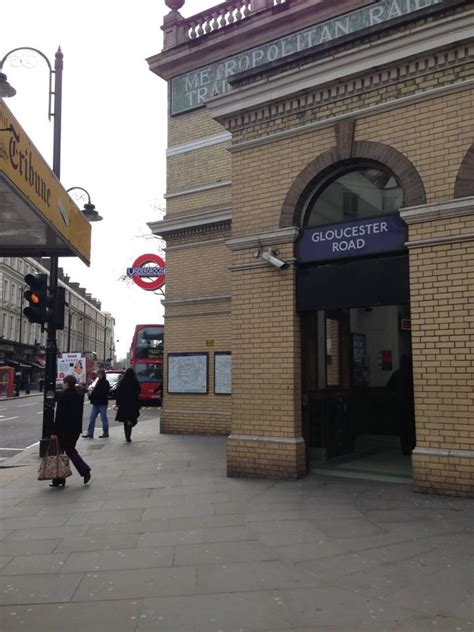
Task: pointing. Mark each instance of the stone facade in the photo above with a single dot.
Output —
(400, 95)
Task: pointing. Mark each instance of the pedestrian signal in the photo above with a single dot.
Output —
(37, 297)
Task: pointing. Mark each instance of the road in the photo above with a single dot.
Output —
(21, 422)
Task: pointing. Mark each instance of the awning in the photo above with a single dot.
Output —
(37, 216)
(17, 365)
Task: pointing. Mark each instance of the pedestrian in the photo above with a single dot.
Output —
(401, 386)
(99, 398)
(68, 427)
(27, 385)
(127, 402)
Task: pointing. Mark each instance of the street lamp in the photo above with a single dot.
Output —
(88, 211)
(55, 96)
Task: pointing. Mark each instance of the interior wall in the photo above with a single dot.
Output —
(381, 328)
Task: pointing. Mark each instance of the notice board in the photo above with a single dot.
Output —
(187, 373)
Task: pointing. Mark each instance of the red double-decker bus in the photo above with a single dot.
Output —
(146, 357)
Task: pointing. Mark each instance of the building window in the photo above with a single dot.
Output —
(357, 193)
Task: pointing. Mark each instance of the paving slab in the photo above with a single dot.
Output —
(125, 584)
(36, 588)
(105, 616)
(162, 540)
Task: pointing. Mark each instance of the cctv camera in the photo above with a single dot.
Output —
(269, 256)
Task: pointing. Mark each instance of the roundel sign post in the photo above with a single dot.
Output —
(148, 272)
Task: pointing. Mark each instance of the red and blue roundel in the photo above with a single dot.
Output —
(148, 272)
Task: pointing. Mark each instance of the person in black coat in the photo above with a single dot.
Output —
(99, 399)
(401, 386)
(127, 402)
(68, 427)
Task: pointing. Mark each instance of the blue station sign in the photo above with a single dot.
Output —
(352, 239)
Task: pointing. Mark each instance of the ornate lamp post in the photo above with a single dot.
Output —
(55, 97)
(88, 211)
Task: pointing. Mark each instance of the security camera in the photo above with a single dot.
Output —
(269, 255)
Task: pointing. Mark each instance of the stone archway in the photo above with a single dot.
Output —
(385, 155)
(464, 186)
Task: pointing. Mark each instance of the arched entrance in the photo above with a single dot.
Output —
(353, 299)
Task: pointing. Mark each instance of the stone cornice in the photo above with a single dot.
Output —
(281, 236)
(201, 143)
(355, 61)
(442, 210)
(198, 189)
(354, 113)
(195, 300)
(222, 215)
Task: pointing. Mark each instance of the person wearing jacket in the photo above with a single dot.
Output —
(99, 399)
(127, 402)
(68, 426)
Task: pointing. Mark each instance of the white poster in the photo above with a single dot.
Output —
(187, 373)
(72, 364)
(222, 373)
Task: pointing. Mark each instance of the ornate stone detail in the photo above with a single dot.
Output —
(382, 78)
(403, 169)
(174, 5)
(464, 186)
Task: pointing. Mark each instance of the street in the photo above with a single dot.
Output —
(21, 422)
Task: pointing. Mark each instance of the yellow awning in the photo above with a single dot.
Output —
(37, 216)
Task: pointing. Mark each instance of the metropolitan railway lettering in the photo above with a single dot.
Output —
(193, 89)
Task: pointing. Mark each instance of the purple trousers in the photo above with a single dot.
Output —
(69, 447)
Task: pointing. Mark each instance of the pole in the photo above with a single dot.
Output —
(22, 290)
(105, 339)
(69, 319)
(51, 345)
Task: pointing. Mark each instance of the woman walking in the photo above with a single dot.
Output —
(68, 427)
(128, 403)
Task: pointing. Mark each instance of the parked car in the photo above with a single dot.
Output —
(113, 378)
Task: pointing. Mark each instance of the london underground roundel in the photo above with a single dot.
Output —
(148, 272)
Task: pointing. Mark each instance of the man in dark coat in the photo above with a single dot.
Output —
(99, 399)
(68, 427)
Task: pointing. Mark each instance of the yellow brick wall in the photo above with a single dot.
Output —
(191, 126)
(198, 167)
(190, 413)
(198, 271)
(434, 135)
(196, 202)
(442, 312)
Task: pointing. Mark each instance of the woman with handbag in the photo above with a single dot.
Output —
(128, 402)
(68, 427)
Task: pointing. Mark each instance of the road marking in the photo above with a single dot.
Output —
(3, 408)
(14, 449)
(31, 446)
(9, 418)
(23, 405)
(40, 412)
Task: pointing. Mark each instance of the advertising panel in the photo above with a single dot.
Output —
(72, 364)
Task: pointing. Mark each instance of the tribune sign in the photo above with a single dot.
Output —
(194, 88)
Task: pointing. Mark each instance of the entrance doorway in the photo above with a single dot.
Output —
(358, 390)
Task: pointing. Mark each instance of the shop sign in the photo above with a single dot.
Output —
(26, 171)
(352, 239)
(192, 89)
(148, 272)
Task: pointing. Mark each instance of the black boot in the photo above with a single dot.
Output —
(58, 482)
(128, 432)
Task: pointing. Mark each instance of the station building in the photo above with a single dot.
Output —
(320, 234)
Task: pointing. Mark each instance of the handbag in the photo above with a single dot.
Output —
(54, 465)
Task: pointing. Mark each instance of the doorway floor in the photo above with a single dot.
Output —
(375, 458)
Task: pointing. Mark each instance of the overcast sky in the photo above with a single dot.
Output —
(113, 129)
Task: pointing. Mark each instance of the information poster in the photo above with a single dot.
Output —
(222, 373)
(72, 364)
(187, 373)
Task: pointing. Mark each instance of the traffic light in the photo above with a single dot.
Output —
(37, 297)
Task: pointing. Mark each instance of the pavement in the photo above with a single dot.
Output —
(161, 540)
